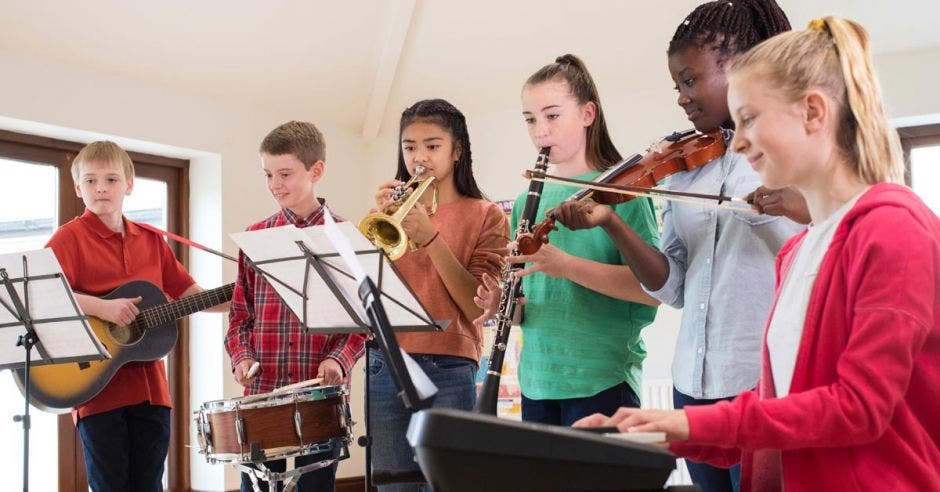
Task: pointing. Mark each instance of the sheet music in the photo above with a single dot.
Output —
(342, 245)
(275, 252)
(49, 298)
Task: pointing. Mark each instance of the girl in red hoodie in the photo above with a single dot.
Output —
(851, 360)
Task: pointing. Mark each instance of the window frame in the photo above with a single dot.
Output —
(917, 136)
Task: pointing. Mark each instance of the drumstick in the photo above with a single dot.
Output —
(309, 382)
(253, 370)
(282, 389)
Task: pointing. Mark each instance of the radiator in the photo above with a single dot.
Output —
(657, 394)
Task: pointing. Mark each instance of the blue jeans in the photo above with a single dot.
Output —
(125, 448)
(568, 410)
(388, 418)
(322, 480)
(709, 478)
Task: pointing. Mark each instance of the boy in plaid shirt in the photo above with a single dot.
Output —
(261, 327)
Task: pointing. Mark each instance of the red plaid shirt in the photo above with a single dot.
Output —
(263, 328)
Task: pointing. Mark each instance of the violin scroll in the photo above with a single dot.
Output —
(530, 243)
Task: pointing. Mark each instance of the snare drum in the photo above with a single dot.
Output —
(275, 425)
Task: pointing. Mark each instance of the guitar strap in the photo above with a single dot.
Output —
(184, 240)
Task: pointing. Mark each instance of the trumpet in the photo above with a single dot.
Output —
(384, 229)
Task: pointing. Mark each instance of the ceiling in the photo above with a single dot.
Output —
(360, 62)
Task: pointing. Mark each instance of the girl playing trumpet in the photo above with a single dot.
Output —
(459, 240)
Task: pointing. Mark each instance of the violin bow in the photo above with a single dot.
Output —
(717, 201)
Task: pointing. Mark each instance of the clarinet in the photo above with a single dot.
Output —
(489, 394)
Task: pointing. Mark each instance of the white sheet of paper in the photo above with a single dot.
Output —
(342, 245)
(48, 299)
(324, 312)
(423, 384)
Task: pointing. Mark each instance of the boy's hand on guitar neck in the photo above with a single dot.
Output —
(118, 311)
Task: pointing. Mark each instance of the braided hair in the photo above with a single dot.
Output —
(600, 152)
(443, 114)
(730, 26)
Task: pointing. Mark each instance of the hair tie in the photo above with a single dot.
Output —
(436, 233)
(818, 25)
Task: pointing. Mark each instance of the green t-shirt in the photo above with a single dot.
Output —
(578, 342)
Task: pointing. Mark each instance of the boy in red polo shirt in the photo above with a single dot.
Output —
(261, 327)
(125, 429)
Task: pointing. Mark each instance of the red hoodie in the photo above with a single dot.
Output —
(863, 411)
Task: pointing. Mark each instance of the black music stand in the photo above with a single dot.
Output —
(303, 265)
(403, 369)
(39, 311)
(326, 263)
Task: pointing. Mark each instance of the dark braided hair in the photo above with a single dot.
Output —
(730, 26)
(601, 152)
(443, 114)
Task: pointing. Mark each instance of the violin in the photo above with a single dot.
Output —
(636, 176)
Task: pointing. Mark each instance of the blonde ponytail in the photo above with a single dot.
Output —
(878, 146)
(832, 55)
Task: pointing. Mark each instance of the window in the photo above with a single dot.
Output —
(28, 215)
(39, 198)
(925, 172)
(922, 160)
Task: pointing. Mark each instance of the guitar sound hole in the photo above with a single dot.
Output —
(125, 335)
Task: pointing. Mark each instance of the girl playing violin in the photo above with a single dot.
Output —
(460, 240)
(584, 309)
(717, 265)
(850, 358)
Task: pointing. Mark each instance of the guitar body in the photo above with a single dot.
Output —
(58, 387)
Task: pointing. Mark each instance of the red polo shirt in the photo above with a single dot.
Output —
(97, 260)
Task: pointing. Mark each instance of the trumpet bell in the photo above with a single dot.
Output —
(385, 230)
(386, 234)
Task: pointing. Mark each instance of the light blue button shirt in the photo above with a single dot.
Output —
(721, 272)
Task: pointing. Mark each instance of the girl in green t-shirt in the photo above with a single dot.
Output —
(582, 351)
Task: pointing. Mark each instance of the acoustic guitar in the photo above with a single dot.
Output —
(59, 387)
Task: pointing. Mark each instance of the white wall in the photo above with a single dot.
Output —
(221, 138)
(908, 81)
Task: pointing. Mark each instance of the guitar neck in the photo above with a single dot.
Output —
(172, 311)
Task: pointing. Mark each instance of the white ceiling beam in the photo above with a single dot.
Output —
(400, 18)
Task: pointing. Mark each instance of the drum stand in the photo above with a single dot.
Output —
(288, 478)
